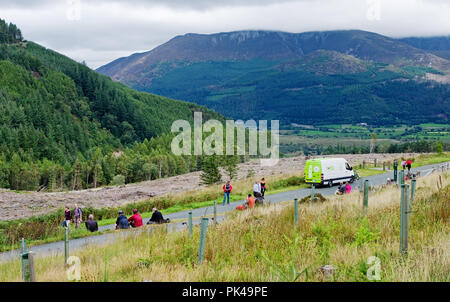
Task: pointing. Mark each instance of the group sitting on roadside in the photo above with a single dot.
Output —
(259, 188)
(135, 221)
(344, 189)
(122, 222)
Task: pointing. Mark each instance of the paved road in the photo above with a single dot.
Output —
(179, 218)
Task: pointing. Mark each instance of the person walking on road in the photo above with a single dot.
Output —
(121, 222)
(67, 217)
(409, 164)
(257, 189)
(264, 186)
(91, 224)
(226, 192)
(78, 214)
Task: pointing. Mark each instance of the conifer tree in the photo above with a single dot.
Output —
(210, 170)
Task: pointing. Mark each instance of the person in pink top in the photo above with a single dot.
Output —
(348, 188)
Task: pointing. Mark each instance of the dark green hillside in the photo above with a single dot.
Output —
(61, 122)
(9, 33)
(439, 46)
(316, 90)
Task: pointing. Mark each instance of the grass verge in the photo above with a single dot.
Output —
(270, 247)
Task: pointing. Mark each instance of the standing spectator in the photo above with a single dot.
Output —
(122, 221)
(226, 192)
(78, 214)
(409, 164)
(136, 219)
(403, 164)
(264, 186)
(257, 189)
(67, 217)
(91, 224)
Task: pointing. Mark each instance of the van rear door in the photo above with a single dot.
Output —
(313, 171)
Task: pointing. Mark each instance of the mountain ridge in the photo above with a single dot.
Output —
(289, 76)
(272, 45)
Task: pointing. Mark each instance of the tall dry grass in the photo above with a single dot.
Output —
(263, 245)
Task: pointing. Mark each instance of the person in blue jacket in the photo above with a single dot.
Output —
(122, 221)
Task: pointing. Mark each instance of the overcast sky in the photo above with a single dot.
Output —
(99, 31)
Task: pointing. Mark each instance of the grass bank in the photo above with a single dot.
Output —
(266, 243)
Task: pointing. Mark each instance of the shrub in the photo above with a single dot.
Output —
(118, 180)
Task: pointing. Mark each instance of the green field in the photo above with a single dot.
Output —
(308, 139)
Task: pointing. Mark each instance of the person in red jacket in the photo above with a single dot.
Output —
(226, 192)
(408, 164)
(135, 220)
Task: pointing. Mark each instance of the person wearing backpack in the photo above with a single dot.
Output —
(78, 215)
(122, 221)
(226, 192)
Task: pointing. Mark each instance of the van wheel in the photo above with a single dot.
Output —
(330, 183)
(352, 179)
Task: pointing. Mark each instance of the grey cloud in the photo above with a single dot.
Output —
(174, 4)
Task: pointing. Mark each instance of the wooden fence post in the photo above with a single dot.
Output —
(313, 189)
(295, 212)
(413, 188)
(366, 194)
(404, 217)
(201, 249)
(190, 223)
(66, 245)
(215, 212)
(395, 170)
(28, 270)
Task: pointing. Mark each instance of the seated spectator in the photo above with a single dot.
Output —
(135, 220)
(91, 224)
(122, 221)
(348, 188)
(250, 203)
(157, 217)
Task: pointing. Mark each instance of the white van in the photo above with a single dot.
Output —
(328, 171)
